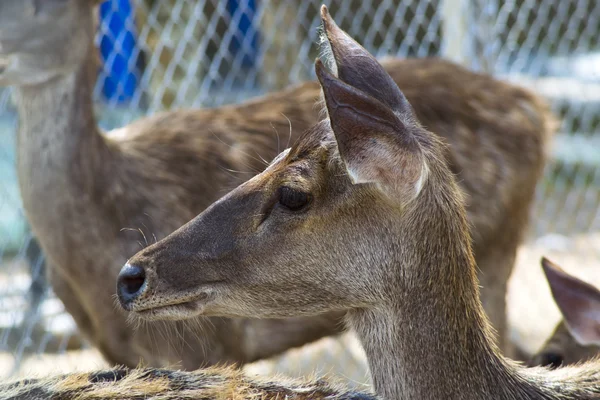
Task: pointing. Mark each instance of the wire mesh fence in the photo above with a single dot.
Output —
(162, 54)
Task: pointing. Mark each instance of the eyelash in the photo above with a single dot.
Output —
(292, 199)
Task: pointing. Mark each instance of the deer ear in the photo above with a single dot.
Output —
(358, 68)
(578, 301)
(375, 144)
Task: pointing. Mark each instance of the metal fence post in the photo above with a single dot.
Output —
(455, 31)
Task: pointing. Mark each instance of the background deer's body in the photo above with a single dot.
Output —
(80, 188)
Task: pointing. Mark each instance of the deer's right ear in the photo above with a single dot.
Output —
(376, 145)
(578, 301)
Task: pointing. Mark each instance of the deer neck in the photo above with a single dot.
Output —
(62, 158)
(431, 340)
(57, 128)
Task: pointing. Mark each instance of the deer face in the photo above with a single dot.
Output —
(318, 230)
(577, 337)
(563, 349)
(40, 40)
(272, 240)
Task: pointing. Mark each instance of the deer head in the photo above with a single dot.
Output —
(314, 231)
(40, 40)
(577, 337)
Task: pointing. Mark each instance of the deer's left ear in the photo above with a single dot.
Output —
(376, 145)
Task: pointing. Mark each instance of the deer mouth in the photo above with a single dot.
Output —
(174, 312)
(183, 308)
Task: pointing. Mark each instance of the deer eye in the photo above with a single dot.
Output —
(293, 199)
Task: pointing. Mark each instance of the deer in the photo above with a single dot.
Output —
(576, 338)
(91, 196)
(361, 214)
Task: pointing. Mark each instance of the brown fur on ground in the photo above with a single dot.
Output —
(161, 384)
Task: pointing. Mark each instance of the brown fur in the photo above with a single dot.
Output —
(160, 384)
(81, 188)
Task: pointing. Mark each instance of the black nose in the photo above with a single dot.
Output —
(130, 283)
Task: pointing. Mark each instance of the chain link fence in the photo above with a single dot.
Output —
(161, 54)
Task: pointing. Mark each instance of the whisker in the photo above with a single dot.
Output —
(143, 235)
(290, 131)
(116, 305)
(139, 231)
(204, 323)
(236, 171)
(211, 325)
(277, 133)
(243, 152)
(262, 159)
(229, 173)
(181, 334)
(134, 322)
(161, 328)
(147, 230)
(190, 326)
(152, 334)
(251, 170)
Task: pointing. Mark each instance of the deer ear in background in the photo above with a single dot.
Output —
(578, 301)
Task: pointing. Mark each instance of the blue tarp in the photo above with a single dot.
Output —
(120, 52)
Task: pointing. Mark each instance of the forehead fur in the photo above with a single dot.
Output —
(314, 141)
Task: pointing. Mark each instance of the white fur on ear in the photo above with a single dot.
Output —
(326, 52)
(326, 57)
(354, 178)
(393, 186)
(422, 179)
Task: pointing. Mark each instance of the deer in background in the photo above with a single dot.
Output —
(577, 337)
(81, 187)
(361, 214)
